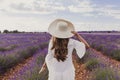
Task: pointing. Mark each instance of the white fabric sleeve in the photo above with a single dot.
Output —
(49, 46)
(50, 55)
(80, 48)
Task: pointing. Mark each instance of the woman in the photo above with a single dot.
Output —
(59, 57)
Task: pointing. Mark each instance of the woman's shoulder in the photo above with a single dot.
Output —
(71, 41)
(74, 41)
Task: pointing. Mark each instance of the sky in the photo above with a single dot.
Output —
(36, 15)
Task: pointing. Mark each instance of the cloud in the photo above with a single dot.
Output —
(80, 9)
(89, 8)
(109, 11)
(81, 6)
(23, 23)
(32, 6)
(86, 8)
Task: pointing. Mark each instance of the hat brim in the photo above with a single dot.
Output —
(61, 34)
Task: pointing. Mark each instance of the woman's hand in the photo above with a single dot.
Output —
(81, 38)
(75, 33)
(41, 70)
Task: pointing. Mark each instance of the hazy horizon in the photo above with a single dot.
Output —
(76, 30)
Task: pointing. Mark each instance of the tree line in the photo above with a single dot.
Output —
(14, 31)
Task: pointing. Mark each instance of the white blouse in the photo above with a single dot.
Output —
(64, 70)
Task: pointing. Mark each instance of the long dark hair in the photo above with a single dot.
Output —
(60, 47)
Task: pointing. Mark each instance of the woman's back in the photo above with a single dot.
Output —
(59, 58)
(67, 66)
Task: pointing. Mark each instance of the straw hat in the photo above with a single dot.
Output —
(61, 28)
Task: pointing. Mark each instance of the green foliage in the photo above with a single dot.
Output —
(2, 49)
(116, 55)
(93, 45)
(43, 45)
(5, 31)
(36, 76)
(91, 64)
(7, 48)
(100, 47)
(11, 60)
(27, 52)
(2, 60)
(14, 31)
(40, 59)
(33, 74)
(105, 74)
(11, 47)
(7, 62)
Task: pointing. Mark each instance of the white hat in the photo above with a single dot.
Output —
(61, 28)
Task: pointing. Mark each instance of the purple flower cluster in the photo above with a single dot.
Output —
(108, 44)
(102, 42)
(14, 48)
(31, 70)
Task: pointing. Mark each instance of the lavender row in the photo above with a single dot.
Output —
(11, 42)
(31, 70)
(26, 45)
(100, 67)
(108, 44)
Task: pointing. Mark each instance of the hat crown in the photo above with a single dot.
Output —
(62, 26)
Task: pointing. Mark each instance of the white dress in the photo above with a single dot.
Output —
(64, 70)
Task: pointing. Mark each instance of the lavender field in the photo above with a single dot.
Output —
(102, 60)
(108, 43)
(15, 48)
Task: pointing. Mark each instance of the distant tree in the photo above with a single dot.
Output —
(90, 32)
(5, 31)
(109, 31)
(0, 31)
(15, 31)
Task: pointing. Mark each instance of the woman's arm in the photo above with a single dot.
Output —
(81, 39)
(43, 68)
